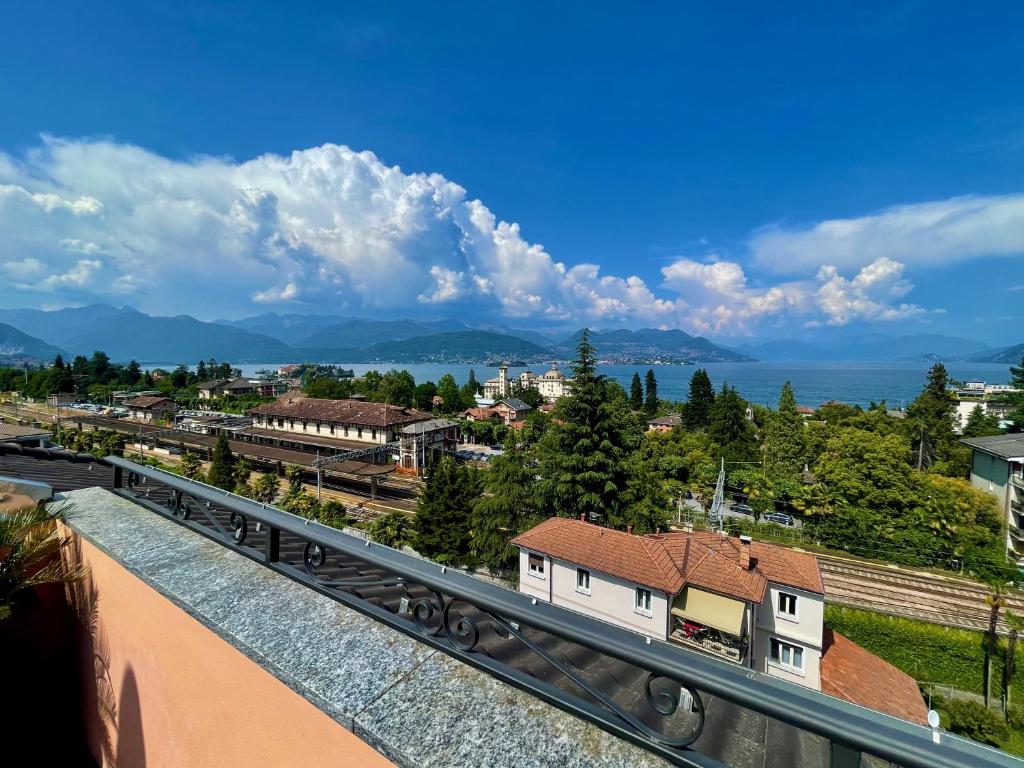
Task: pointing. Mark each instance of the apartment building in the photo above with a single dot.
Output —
(997, 467)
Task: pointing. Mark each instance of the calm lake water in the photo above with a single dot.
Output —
(814, 383)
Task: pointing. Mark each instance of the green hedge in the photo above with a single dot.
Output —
(928, 652)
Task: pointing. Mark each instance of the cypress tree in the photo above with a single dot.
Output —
(442, 525)
(981, 424)
(729, 427)
(784, 437)
(222, 467)
(636, 393)
(930, 419)
(581, 454)
(651, 400)
(697, 413)
(1017, 399)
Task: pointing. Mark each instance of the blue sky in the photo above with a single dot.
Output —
(758, 171)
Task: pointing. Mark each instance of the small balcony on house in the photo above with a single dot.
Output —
(710, 623)
(1017, 479)
(709, 640)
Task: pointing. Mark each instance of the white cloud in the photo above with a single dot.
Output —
(330, 229)
(867, 296)
(930, 233)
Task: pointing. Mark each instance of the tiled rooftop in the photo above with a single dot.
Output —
(349, 411)
(668, 561)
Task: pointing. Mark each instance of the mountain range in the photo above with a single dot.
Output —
(17, 347)
(125, 333)
(869, 348)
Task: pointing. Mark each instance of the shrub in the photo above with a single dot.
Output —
(975, 721)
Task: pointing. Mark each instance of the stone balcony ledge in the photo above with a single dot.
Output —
(413, 704)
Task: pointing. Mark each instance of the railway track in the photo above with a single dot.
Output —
(948, 601)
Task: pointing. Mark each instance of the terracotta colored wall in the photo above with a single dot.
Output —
(163, 690)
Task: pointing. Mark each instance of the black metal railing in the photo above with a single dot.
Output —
(650, 692)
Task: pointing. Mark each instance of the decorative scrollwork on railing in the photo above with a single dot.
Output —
(424, 609)
(463, 631)
(241, 524)
(315, 556)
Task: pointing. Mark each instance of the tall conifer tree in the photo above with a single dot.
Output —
(636, 393)
(697, 413)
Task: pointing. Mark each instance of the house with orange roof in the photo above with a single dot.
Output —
(747, 602)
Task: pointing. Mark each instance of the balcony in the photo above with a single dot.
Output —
(1017, 479)
(709, 640)
(221, 625)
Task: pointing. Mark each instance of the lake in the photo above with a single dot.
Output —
(814, 383)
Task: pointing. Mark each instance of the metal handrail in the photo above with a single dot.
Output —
(850, 728)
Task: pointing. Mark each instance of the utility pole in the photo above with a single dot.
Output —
(319, 470)
(715, 516)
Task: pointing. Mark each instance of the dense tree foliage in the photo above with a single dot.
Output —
(650, 393)
(443, 514)
(507, 507)
(697, 410)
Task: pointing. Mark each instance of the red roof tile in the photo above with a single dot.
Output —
(667, 561)
(852, 673)
(358, 412)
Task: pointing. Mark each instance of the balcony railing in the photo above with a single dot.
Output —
(1017, 480)
(630, 685)
(716, 643)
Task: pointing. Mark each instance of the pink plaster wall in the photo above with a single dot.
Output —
(160, 689)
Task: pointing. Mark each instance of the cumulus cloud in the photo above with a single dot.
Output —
(334, 230)
(868, 296)
(930, 233)
(719, 299)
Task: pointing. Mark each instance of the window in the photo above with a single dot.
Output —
(583, 580)
(787, 655)
(786, 607)
(359, 433)
(332, 427)
(536, 565)
(643, 601)
(373, 433)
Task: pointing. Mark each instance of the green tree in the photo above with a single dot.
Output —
(784, 437)
(581, 453)
(392, 529)
(448, 391)
(636, 392)
(529, 395)
(651, 395)
(190, 466)
(981, 424)
(1017, 398)
(266, 487)
(729, 428)
(470, 389)
(505, 509)
(697, 411)
(222, 466)
(931, 418)
(424, 395)
(644, 501)
(443, 512)
(397, 388)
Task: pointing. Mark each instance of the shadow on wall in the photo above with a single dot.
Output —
(111, 721)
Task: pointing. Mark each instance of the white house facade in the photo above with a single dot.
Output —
(749, 603)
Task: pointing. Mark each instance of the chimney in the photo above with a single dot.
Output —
(583, 517)
(745, 553)
(629, 529)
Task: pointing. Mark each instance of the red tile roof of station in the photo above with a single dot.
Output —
(147, 401)
(852, 673)
(668, 561)
(358, 412)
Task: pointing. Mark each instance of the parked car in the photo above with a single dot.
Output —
(779, 517)
(743, 509)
